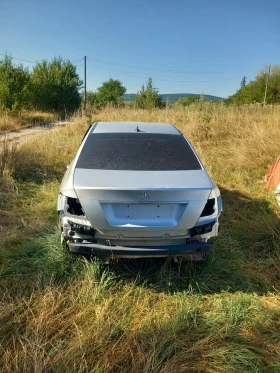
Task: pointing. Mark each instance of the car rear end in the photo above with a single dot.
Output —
(137, 189)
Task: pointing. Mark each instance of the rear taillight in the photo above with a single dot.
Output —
(74, 207)
(209, 208)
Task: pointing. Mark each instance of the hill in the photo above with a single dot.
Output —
(171, 97)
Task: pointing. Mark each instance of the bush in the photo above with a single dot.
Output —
(186, 101)
(148, 97)
(55, 86)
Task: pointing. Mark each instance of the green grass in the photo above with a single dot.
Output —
(63, 313)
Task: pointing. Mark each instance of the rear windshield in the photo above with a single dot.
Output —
(137, 152)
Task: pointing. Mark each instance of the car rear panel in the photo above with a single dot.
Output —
(137, 204)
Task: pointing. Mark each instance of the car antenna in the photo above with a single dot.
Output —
(137, 129)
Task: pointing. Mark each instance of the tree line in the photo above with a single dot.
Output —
(254, 91)
(55, 86)
(50, 86)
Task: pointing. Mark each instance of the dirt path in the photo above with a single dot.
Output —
(23, 135)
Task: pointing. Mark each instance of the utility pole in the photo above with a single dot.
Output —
(85, 82)
(267, 79)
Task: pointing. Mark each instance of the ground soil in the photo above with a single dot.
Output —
(23, 135)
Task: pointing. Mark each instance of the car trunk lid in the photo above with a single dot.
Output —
(142, 201)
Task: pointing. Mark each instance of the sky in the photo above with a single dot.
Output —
(185, 46)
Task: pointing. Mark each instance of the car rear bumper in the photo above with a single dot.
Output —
(191, 248)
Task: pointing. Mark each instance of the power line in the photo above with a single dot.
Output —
(135, 74)
(29, 61)
(137, 67)
(80, 60)
(18, 59)
(162, 70)
(128, 73)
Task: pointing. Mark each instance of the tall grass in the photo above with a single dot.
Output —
(61, 313)
(14, 122)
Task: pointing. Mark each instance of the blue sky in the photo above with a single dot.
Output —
(186, 46)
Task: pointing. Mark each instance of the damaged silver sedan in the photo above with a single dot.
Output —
(138, 190)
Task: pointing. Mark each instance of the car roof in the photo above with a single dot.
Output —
(131, 127)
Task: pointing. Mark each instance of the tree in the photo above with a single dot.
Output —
(55, 86)
(273, 89)
(14, 86)
(148, 97)
(254, 91)
(110, 93)
(243, 82)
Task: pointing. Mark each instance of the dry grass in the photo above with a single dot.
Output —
(9, 122)
(98, 324)
(60, 313)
